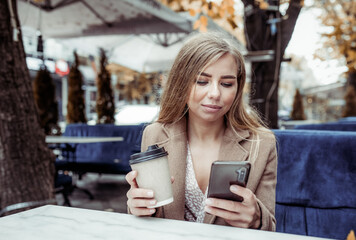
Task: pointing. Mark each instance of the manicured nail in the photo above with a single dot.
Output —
(233, 188)
(152, 210)
(153, 202)
(150, 194)
(207, 209)
(208, 201)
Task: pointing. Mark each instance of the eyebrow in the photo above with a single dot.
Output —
(223, 77)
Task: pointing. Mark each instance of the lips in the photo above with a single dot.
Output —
(211, 107)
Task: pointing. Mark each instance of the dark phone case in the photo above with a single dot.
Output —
(225, 173)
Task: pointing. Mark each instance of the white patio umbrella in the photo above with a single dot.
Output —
(137, 52)
(77, 18)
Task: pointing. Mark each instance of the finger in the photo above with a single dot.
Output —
(142, 211)
(232, 218)
(243, 192)
(140, 193)
(139, 202)
(228, 205)
(131, 179)
(219, 212)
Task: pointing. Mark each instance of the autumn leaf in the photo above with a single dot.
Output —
(231, 10)
(351, 235)
(204, 20)
(222, 12)
(192, 12)
(196, 24)
(264, 5)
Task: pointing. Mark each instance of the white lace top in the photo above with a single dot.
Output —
(194, 197)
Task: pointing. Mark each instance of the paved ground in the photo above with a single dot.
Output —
(109, 193)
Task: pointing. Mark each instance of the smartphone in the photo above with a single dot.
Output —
(223, 174)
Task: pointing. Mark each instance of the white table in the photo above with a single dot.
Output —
(84, 139)
(61, 223)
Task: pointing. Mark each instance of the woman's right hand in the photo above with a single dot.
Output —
(139, 199)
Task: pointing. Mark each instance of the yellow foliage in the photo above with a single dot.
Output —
(338, 15)
(231, 10)
(192, 12)
(264, 5)
(203, 20)
(196, 24)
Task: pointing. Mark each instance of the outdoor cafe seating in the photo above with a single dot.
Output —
(315, 195)
(100, 157)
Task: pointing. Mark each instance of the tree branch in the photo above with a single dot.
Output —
(248, 2)
(289, 23)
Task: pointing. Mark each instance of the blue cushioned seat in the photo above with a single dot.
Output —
(316, 193)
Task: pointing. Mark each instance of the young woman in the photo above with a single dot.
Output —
(203, 119)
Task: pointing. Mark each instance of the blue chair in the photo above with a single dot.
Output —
(316, 193)
(63, 184)
(101, 157)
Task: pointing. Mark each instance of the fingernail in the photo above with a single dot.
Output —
(150, 194)
(153, 202)
(207, 209)
(208, 201)
(152, 210)
(233, 188)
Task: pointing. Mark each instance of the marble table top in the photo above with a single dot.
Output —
(57, 222)
(65, 139)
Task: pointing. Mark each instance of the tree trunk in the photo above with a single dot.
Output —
(262, 35)
(351, 79)
(26, 163)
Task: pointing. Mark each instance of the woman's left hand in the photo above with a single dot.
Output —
(245, 214)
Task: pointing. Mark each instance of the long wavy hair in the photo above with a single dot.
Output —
(196, 54)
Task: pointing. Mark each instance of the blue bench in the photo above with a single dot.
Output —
(101, 157)
(316, 192)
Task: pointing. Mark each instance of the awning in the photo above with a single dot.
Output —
(78, 18)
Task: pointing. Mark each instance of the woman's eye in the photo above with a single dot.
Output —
(226, 84)
(202, 82)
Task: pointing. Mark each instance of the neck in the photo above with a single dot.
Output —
(203, 131)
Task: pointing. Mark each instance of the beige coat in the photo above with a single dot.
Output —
(262, 179)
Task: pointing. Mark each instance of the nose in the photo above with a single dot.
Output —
(214, 91)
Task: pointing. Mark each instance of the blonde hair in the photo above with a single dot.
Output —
(197, 53)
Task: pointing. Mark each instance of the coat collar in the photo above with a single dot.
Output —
(176, 144)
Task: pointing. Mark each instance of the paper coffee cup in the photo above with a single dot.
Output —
(153, 173)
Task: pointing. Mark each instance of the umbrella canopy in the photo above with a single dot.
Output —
(142, 35)
(141, 53)
(77, 18)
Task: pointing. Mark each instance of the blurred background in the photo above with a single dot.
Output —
(318, 61)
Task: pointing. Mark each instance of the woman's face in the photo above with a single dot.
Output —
(214, 91)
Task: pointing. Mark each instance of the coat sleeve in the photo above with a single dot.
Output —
(266, 190)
